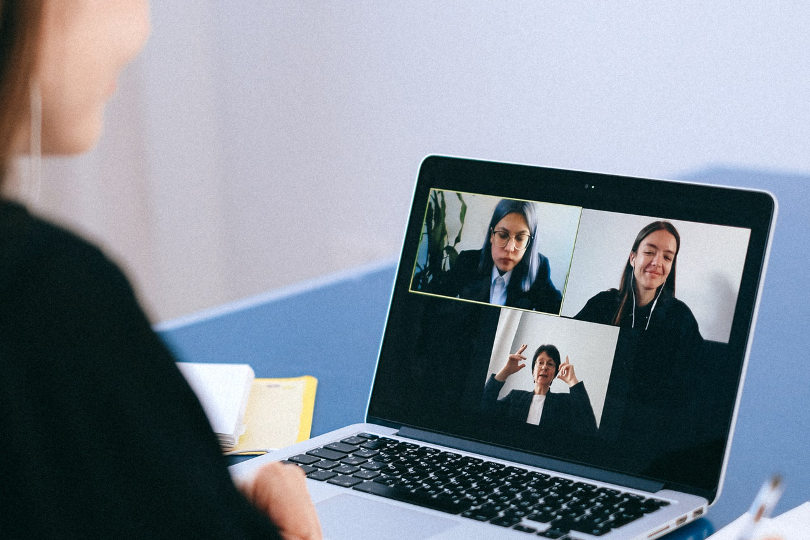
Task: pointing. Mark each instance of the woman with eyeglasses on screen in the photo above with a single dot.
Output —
(509, 269)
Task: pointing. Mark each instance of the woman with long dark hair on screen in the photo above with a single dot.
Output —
(509, 269)
(649, 411)
(102, 436)
(646, 294)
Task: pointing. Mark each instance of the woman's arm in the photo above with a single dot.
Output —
(583, 421)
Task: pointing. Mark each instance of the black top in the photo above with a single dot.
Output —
(654, 378)
(669, 314)
(101, 434)
(562, 413)
(464, 280)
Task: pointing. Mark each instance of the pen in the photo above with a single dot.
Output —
(763, 505)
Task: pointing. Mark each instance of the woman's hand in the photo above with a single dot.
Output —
(515, 363)
(566, 373)
(280, 491)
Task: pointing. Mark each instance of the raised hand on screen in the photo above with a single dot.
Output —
(514, 363)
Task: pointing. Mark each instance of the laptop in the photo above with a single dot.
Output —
(562, 358)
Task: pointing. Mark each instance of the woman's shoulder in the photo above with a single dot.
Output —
(610, 294)
(30, 235)
(31, 246)
(677, 309)
(608, 298)
(600, 308)
(467, 261)
(469, 255)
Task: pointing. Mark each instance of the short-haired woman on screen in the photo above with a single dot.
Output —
(509, 269)
(102, 436)
(554, 413)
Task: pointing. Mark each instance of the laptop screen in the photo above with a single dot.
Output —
(597, 320)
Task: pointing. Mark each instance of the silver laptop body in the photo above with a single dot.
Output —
(634, 445)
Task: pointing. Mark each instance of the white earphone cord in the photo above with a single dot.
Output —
(35, 145)
(657, 296)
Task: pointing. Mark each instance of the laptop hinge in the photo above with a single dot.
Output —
(565, 467)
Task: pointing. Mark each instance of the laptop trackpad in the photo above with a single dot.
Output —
(350, 516)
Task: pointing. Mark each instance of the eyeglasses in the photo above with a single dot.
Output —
(551, 364)
(501, 237)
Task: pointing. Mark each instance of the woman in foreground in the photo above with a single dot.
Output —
(102, 437)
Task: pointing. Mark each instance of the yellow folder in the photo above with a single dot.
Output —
(279, 413)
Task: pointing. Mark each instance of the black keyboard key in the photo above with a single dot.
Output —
(306, 468)
(542, 517)
(342, 447)
(368, 435)
(375, 444)
(366, 475)
(623, 518)
(472, 514)
(488, 510)
(444, 504)
(523, 528)
(352, 460)
(592, 528)
(355, 440)
(321, 475)
(365, 453)
(344, 481)
(505, 521)
(346, 469)
(325, 453)
(553, 533)
(304, 459)
(651, 505)
(387, 480)
(326, 464)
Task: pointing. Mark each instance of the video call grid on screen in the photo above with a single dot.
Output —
(662, 419)
(587, 251)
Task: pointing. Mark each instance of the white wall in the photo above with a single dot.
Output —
(257, 144)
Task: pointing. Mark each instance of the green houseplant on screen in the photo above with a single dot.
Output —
(436, 251)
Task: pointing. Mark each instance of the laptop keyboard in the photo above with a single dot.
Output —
(508, 496)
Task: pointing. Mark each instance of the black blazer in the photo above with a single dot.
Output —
(562, 413)
(465, 281)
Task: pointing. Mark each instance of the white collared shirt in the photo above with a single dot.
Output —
(536, 409)
(497, 295)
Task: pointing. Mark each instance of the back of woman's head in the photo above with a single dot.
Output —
(20, 23)
(528, 265)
